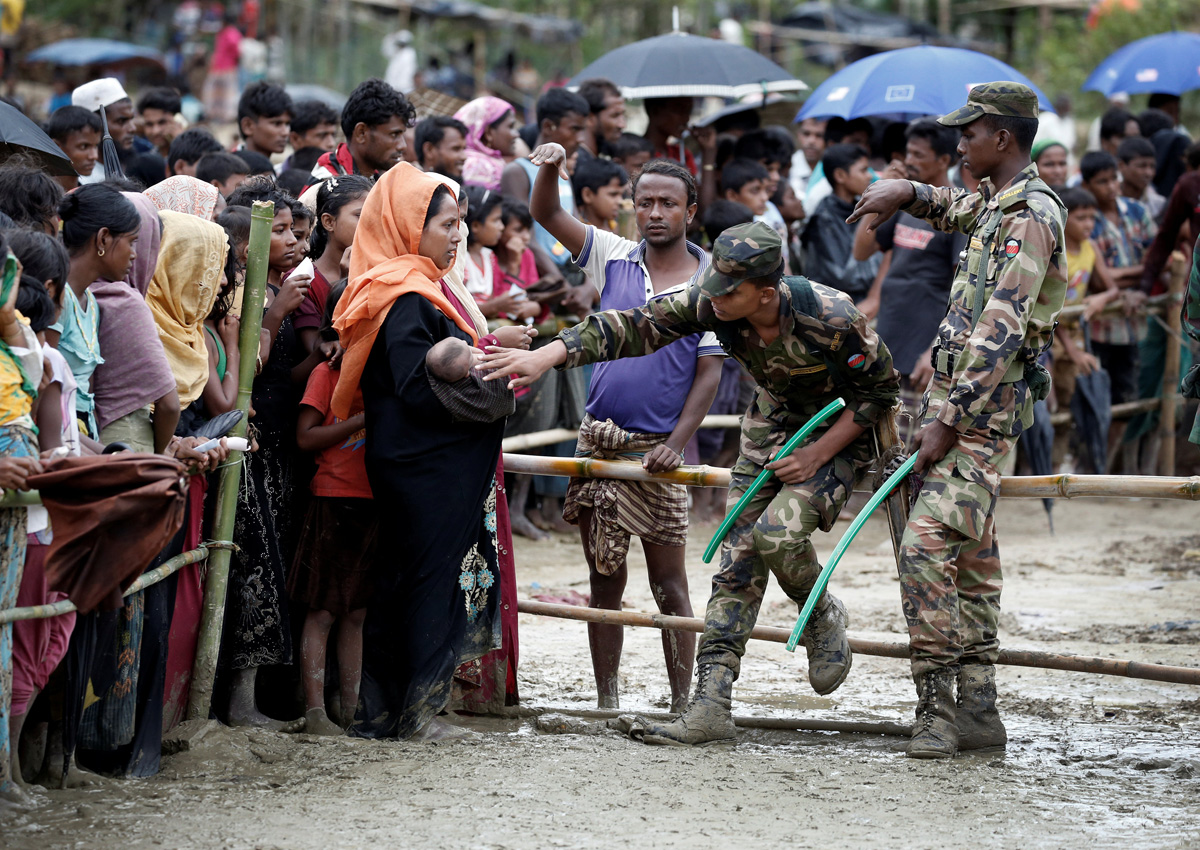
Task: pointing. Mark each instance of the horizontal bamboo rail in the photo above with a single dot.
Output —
(537, 439)
(787, 724)
(883, 649)
(66, 606)
(1013, 487)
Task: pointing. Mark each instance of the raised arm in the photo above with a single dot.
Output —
(543, 203)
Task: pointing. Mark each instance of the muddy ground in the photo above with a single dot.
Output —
(1092, 762)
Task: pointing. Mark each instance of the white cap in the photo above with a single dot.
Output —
(103, 92)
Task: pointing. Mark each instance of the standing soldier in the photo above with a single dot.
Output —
(1003, 305)
(805, 345)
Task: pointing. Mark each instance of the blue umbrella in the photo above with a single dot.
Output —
(912, 81)
(96, 51)
(1168, 63)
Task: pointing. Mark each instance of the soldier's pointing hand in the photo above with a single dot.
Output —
(883, 199)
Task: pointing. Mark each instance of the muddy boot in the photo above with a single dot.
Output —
(934, 735)
(708, 718)
(829, 655)
(978, 722)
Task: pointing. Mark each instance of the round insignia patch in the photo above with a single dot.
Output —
(1012, 247)
(857, 361)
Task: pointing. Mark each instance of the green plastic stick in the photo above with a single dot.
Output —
(859, 521)
(809, 426)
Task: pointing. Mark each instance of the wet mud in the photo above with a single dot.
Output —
(1092, 762)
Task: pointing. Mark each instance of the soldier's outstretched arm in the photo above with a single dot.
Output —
(882, 200)
(1002, 327)
(946, 208)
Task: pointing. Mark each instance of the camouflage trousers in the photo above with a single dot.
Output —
(950, 577)
(770, 536)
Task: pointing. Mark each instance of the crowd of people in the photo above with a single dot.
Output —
(373, 584)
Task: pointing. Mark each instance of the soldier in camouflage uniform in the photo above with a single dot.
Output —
(805, 344)
(1003, 304)
(1190, 385)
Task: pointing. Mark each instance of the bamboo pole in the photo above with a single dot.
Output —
(66, 606)
(787, 724)
(1170, 385)
(208, 644)
(536, 439)
(1013, 657)
(1125, 410)
(1013, 487)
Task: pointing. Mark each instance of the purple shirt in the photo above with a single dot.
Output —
(640, 394)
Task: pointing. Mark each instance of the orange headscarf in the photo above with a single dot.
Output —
(385, 264)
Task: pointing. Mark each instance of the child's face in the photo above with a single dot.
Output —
(516, 237)
(1080, 222)
(857, 177)
(752, 194)
(605, 202)
(82, 147)
(1052, 165)
(345, 223)
(1105, 187)
(302, 230)
(634, 163)
(227, 186)
(267, 134)
(1138, 172)
(323, 136)
(283, 243)
(774, 175)
(488, 232)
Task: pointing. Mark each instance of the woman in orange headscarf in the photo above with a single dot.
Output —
(437, 603)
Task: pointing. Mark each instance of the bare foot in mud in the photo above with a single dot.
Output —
(317, 722)
(440, 730)
(551, 517)
(16, 799)
(522, 526)
(257, 720)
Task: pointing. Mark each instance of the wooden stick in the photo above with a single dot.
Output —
(788, 724)
(1014, 657)
(1013, 487)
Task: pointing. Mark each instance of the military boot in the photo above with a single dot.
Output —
(829, 655)
(978, 722)
(934, 735)
(708, 718)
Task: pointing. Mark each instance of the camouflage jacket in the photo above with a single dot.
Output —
(1026, 286)
(816, 358)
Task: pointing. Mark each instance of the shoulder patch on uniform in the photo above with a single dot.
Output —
(1012, 247)
(856, 361)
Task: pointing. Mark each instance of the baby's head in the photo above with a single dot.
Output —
(450, 360)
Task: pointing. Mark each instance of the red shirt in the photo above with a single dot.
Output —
(341, 469)
(311, 312)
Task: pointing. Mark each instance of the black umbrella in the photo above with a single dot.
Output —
(20, 136)
(1092, 408)
(108, 152)
(1038, 444)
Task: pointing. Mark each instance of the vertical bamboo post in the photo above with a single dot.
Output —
(1170, 386)
(208, 645)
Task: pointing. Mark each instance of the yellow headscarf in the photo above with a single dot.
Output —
(187, 279)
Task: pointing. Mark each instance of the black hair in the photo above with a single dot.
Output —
(628, 144)
(722, 215)
(224, 301)
(433, 130)
(480, 203)
(163, 98)
(528, 133)
(294, 181)
(144, 171)
(306, 159)
(670, 168)
(435, 201)
(256, 163)
(263, 100)
(840, 156)
(837, 128)
(1023, 130)
(1114, 121)
(1160, 99)
(300, 211)
(28, 195)
(1151, 121)
(72, 119)
(1094, 162)
(512, 209)
(596, 90)
(259, 188)
(332, 195)
(784, 138)
(1077, 198)
(41, 256)
(893, 140)
(761, 146)
(594, 173)
(557, 104)
(220, 166)
(310, 114)
(35, 303)
(942, 140)
(740, 171)
(1192, 155)
(336, 289)
(92, 207)
(236, 221)
(190, 145)
(373, 103)
(1134, 147)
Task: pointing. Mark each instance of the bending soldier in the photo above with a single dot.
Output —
(1003, 305)
(805, 344)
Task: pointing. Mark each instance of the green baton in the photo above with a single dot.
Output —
(809, 426)
(859, 521)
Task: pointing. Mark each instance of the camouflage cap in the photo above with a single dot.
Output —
(742, 253)
(1001, 98)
